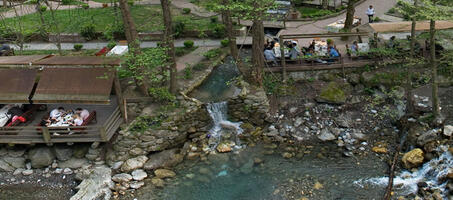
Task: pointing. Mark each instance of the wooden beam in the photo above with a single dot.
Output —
(119, 94)
(46, 135)
(323, 35)
(282, 57)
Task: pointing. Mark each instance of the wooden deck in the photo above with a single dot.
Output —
(108, 120)
(310, 65)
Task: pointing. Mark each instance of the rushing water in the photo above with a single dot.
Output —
(218, 113)
(433, 173)
(216, 87)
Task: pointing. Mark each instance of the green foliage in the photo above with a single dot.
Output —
(181, 51)
(188, 44)
(377, 19)
(88, 32)
(85, 6)
(219, 31)
(152, 60)
(308, 12)
(78, 47)
(178, 28)
(67, 2)
(32, 2)
(213, 53)
(333, 93)
(188, 73)
(111, 44)
(161, 95)
(143, 123)
(115, 31)
(42, 8)
(392, 11)
(200, 66)
(130, 2)
(225, 42)
(186, 11)
(214, 19)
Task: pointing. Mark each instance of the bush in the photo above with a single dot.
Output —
(42, 8)
(130, 2)
(178, 28)
(214, 19)
(188, 44)
(186, 11)
(212, 53)
(199, 66)
(32, 2)
(391, 11)
(78, 47)
(111, 44)
(188, 73)
(67, 2)
(115, 32)
(225, 42)
(219, 31)
(88, 31)
(85, 6)
(161, 94)
(377, 19)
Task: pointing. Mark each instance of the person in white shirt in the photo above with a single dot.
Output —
(84, 113)
(370, 13)
(78, 121)
(57, 112)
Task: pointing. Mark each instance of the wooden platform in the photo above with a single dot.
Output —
(102, 130)
(302, 65)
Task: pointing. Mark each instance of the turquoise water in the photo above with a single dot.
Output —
(234, 176)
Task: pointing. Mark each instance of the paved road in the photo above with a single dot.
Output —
(100, 45)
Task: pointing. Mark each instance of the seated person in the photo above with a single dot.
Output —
(391, 44)
(294, 52)
(353, 50)
(277, 50)
(4, 48)
(78, 121)
(84, 113)
(312, 45)
(57, 112)
(333, 53)
(270, 56)
(311, 52)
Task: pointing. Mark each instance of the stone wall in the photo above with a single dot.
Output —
(174, 132)
(251, 105)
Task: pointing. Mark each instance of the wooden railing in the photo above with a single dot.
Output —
(41, 134)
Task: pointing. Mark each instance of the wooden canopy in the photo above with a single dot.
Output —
(21, 60)
(74, 85)
(16, 85)
(78, 60)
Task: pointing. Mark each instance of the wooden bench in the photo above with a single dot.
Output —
(91, 118)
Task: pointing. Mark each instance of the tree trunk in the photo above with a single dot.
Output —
(232, 38)
(168, 41)
(57, 27)
(435, 99)
(409, 104)
(134, 45)
(325, 4)
(257, 51)
(5, 3)
(349, 16)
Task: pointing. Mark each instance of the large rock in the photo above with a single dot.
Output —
(74, 163)
(139, 174)
(326, 135)
(134, 163)
(428, 136)
(16, 162)
(63, 152)
(333, 93)
(448, 130)
(41, 157)
(164, 173)
(96, 186)
(413, 158)
(5, 167)
(123, 177)
(164, 159)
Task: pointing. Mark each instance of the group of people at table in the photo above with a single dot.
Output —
(319, 50)
(61, 117)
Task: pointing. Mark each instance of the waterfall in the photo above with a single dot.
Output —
(218, 112)
(433, 173)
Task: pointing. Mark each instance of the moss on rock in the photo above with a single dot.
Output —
(333, 93)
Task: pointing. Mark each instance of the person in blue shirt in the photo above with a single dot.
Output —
(333, 53)
(269, 55)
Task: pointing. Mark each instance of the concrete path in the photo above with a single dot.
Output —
(100, 45)
(30, 9)
(193, 57)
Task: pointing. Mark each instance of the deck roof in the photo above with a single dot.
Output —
(74, 85)
(17, 85)
(78, 60)
(21, 60)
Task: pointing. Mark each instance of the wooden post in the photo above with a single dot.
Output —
(46, 135)
(103, 134)
(119, 94)
(359, 36)
(282, 58)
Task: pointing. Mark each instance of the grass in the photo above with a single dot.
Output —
(147, 19)
(309, 12)
(181, 51)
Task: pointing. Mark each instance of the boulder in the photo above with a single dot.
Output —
(5, 167)
(139, 174)
(164, 173)
(413, 158)
(63, 152)
(134, 163)
(448, 130)
(121, 178)
(73, 163)
(27, 172)
(96, 186)
(16, 162)
(428, 136)
(158, 182)
(224, 147)
(378, 149)
(136, 184)
(41, 157)
(333, 93)
(164, 159)
(326, 135)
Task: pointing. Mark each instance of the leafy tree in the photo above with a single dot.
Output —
(350, 10)
(168, 43)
